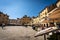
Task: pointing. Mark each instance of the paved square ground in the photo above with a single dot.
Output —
(18, 33)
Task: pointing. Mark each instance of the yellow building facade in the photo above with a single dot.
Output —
(43, 14)
(47, 14)
(35, 20)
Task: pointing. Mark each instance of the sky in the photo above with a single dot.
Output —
(19, 8)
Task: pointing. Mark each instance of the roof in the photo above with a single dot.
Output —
(3, 13)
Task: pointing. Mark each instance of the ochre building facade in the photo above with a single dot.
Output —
(4, 18)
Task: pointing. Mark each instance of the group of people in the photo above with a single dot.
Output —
(52, 35)
(41, 26)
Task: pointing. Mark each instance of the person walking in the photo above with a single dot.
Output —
(3, 25)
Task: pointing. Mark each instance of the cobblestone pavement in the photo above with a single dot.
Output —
(18, 33)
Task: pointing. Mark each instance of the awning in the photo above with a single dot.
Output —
(55, 16)
(45, 21)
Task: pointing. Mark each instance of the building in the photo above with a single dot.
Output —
(25, 20)
(35, 20)
(54, 16)
(13, 21)
(20, 21)
(43, 14)
(46, 15)
(4, 18)
(58, 3)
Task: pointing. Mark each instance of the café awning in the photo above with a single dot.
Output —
(44, 21)
(55, 16)
(47, 21)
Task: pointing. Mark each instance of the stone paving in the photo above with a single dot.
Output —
(18, 33)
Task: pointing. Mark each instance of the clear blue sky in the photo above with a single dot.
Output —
(19, 8)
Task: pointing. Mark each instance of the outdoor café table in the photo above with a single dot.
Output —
(45, 31)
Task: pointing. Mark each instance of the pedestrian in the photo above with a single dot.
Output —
(43, 27)
(3, 25)
(33, 27)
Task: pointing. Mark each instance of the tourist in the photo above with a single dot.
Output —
(3, 25)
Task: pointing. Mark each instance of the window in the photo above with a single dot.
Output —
(4, 15)
(45, 13)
